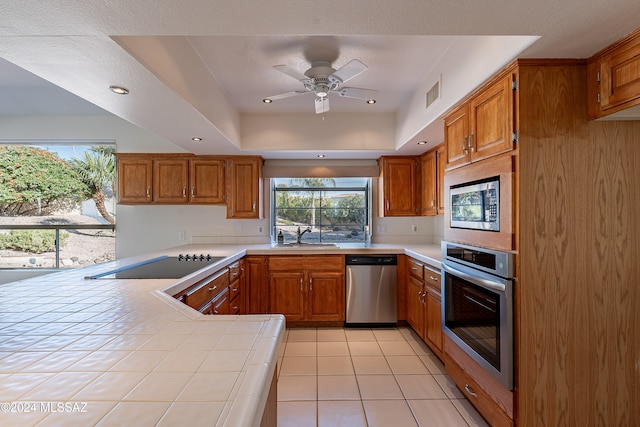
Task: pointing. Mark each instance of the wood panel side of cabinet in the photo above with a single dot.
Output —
(441, 162)
(256, 287)
(428, 184)
(578, 283)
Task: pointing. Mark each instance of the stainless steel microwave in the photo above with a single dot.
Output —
(476, 205)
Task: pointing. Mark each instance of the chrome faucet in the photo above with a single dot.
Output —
(300, 234)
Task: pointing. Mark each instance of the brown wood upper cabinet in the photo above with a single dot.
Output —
(135, 178)
(614, 78)
(244, 186)
(174, 179)
(482, 126)
(398, 181)
(432, 181)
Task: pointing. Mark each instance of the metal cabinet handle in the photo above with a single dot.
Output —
(433, 278)
(254, 206)
(234, 289)
(471, 144)
(213, 288)
(148, 192)
(471, 392)
(414, 268)
(193, 191)
(301, 284)
(184, 191)
(310, 284)
(215, 311)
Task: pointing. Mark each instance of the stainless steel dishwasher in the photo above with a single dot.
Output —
(371, 294)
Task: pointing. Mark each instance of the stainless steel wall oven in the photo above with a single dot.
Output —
(477, 309)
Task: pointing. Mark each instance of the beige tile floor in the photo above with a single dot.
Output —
(331, 377)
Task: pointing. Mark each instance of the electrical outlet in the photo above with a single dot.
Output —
(182, 235)
(414, 228)
(260, 229)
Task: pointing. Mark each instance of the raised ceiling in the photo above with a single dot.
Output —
(203, 67)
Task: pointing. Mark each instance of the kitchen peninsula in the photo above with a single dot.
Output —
(75, 351)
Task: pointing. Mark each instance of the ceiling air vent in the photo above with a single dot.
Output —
(433, 94)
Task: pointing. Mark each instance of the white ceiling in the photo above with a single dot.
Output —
(197, 67)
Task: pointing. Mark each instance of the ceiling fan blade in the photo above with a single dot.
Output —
(349, 70)
(291, 72)
(288, 95)
(322, 104)
(358, 93)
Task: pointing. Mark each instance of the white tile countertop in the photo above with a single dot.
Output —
(111, 352)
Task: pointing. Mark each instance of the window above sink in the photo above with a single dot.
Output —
(320, 212)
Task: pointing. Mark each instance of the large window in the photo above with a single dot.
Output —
(334, 209)
(57, 207)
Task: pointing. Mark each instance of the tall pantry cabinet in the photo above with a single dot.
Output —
(577, 293)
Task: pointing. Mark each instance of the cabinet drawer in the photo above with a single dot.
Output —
(206, 290)
(432, 278)
(476, 396)
(234, 271)
(234, 289)
(306, 262)
(220, 304)
(416, 269)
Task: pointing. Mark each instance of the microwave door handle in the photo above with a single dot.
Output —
(473, 279)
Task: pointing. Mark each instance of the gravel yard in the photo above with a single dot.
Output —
(82, 247)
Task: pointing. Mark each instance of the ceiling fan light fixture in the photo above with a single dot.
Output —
(267, 100)
(371, 101)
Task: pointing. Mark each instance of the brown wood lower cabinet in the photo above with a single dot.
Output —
(489, 397)
(256, 290)
(424, 307)
(307, 288)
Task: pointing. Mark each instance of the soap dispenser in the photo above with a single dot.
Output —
(280, 237)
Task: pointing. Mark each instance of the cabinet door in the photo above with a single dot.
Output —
(256, 289)
(620, 76)
(170, 180)
(286, 294)
(415, 307)
(206, 178)
(491, 120)
(433, 333)
(441, 163)
(428, 184)
(135, 178)
(244, 184)
(220, 304)
(325, 296)
(400, 186)
(456, 133)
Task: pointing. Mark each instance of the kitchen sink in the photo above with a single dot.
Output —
(304, 245)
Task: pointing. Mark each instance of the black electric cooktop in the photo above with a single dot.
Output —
(165, 267)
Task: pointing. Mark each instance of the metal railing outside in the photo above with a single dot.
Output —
(57, 228)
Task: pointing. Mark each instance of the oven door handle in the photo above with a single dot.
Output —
(474, 279)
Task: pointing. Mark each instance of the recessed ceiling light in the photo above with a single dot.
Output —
(267, 101)
(320, 156)
(422, 142)
(371, 101)
(196, 138)
(119, 90)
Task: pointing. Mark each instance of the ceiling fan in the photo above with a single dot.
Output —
(322, 79)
